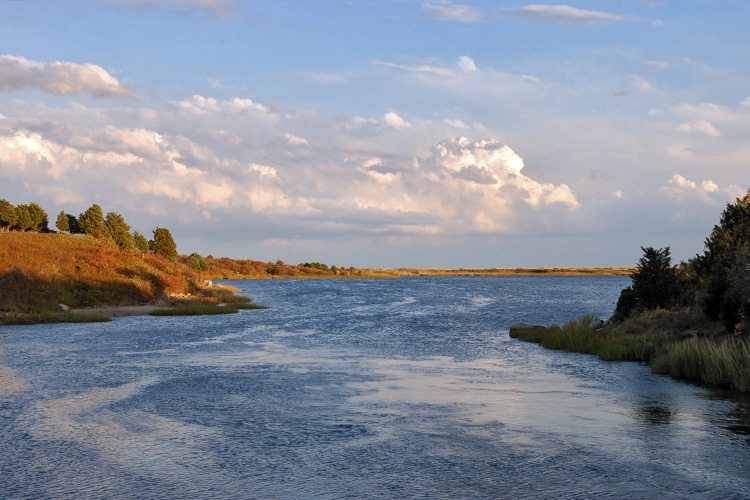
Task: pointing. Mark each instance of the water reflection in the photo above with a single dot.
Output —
(358, 389)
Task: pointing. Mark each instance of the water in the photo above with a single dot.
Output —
(403, 388)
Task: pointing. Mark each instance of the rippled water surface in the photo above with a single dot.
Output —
(394, 388)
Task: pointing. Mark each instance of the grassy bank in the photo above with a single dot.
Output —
(682, 344)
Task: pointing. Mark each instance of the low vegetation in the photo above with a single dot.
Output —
(195, 309)
(16, 318)
(690, 321)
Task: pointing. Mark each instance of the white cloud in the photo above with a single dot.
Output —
(60, 78)
(393, 120)
(566, 14)
(467, 64)
(699, 127)
(447, 11)
(683, 191)
(456, 123)
(205, 105)
(457, 187)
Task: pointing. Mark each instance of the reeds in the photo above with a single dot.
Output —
(724, 363)
(655, 339)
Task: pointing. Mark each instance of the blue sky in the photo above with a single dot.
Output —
(383, 133)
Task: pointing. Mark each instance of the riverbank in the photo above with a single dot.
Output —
(682, 344)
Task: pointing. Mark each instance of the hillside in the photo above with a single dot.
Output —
(40, 271)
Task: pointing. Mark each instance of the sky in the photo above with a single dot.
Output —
(383, 133)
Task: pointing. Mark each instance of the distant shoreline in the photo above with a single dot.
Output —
(515, 271)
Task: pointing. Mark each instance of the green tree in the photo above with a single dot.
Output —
(92, 221)
(118, 230)
(722, 260)
(7, 215)
(655, 284)
(195, 261)
(140, 242)
(24, 221)
(73, 226)
(163, 244)
(38, 217)
(62, 222)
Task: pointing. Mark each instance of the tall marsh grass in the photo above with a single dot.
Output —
(655, 339)
(723, 363)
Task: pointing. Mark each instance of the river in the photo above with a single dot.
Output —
(369, 389)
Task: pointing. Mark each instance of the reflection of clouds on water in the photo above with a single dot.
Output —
(134, 439)
(9, 382)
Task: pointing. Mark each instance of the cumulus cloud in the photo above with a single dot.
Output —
(446, 11)
(61, 78)
(566, 14)
(459, 186)
(684, 191)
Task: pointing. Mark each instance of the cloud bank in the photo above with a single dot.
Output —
(314, 173)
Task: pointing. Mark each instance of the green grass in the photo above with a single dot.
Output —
(195, 310)
(34, 318)
(655, 338)
(724, 363)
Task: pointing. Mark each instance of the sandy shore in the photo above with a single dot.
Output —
(118, 311)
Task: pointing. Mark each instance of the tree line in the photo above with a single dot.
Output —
(717, 281)
(93, 222)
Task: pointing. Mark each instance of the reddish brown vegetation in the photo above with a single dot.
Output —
(39, 271)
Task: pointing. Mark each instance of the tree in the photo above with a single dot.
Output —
(73, 226)
(163, 244)
(654, 285)
(62, 222)
(92, 221)
(38, 217)
(140, 242)
(7, 215)
(118, 230)
(722, 264)
(24, 222)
